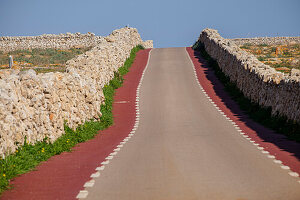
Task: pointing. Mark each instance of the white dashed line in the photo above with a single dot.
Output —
(294, 174)
(95, 175)
(89, 183)
(101, 168)
(277, 161)
(271, 156)
(114, 153)
(117, 149)
(82, 194)
(105, 162)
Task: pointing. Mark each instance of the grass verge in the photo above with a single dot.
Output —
(256, 112)
(28, 156)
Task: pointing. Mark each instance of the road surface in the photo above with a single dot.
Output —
(185, 149)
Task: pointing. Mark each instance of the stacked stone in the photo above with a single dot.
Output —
(61, 41)
(267, 40)
(259, 82)
(35, 106)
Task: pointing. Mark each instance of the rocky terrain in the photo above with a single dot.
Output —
(282, 57)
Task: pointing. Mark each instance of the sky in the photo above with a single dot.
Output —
(169, 23)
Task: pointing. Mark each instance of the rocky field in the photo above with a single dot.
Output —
(40, 60)
(282, 57)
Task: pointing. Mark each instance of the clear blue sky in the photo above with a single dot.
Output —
(168, 22)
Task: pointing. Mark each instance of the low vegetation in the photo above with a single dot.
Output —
(28, 156)
(40, 60)
(259, 114)
(282, 57)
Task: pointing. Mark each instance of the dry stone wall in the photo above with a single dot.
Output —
(267, 40)
(35, 105)
(259, 82)
(61, 41)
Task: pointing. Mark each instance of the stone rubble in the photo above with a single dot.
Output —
(35, 105)
(266, 40)
(259, 82)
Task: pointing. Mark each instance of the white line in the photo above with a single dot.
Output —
(105, 162)
(113, 153)
(271, 156)
(82, 194)
(95, 175)
(285, 167)
(101, 168)
(277, 161)
(89, 183)
(294, 174)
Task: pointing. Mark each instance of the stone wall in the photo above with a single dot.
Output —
(259, 82)
(35, 106)
(61, 41)
(266, 40)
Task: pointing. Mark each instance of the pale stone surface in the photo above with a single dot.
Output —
(35, 106)
(267, 40)
(259, 82)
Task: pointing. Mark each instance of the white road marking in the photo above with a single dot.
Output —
(105, 162)
(285, 167)
(294, 174)
(271, 156)
(82, 194)
(277, 161)
(100, 168)
(117, 149)
(89, 183)
(95, 175)
(113, 153)
(109, 157)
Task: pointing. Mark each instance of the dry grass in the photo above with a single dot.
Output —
(282, 57)
(41, 60)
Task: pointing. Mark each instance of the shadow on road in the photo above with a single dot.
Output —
(264, 133)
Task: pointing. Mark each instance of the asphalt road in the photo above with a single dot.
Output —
(185, 149)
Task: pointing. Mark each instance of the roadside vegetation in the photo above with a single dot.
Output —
(282, 57)
(256, 112)
(40, 60)
(28, 156)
